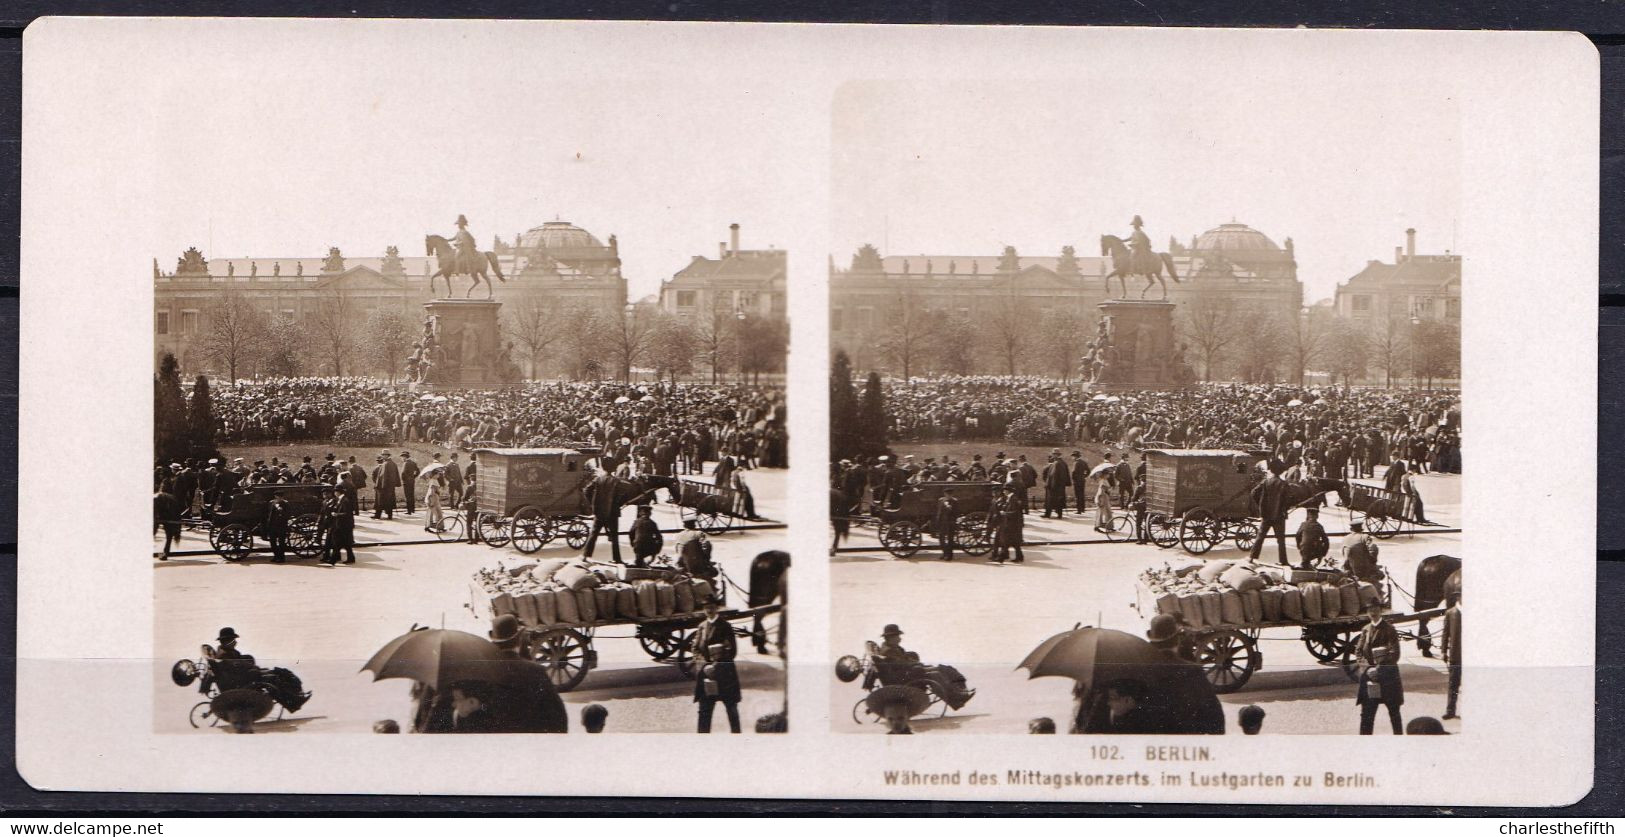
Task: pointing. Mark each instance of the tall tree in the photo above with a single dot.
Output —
(763, 342)
(533, 327)
(170, 432)
(200, 417)
(873, 423)
(1306, 334)
(956, 345)
(332, 328)
(1210, 325)
(1260, 345)
(285, 347)
(1057, 341)
(714, 331)
(1389, 347)
(583, 344)
(1347, 352)
(630, 333)
(673, 348)
(843, 409)
(386, 340)
(234, 333)
(1435, 350)
(905, 340)
(1008, 331)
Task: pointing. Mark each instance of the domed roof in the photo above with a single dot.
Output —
(1234, 237)
(557, 235)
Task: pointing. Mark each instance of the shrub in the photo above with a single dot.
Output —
(362, 429)
(1035, 429)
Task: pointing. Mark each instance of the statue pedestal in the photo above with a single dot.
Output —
(1142, 337)
(467, 343)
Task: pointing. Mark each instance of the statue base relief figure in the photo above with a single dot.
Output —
(1146, 357)
(466, 339)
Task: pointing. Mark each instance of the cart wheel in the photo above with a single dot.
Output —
(860, 713)
(493, 530)
(971, 535)
(1244, 533)
(450, 528)
(1378, 523)
(1229, 658)
(902, 539)
(575, 532)
(1120, 528)
(304, 536)
(234, 541)
(663, 644)
(201, 717)
(1199, 531)
(710, 517)
(528, 530)
(1164, 532)
(566, 654)
(1332, 646)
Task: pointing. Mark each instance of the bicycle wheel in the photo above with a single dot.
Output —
(450, 528)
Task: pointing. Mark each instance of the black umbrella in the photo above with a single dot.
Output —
(438, 658)
(1180, 698)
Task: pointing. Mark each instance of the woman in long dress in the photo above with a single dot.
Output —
(437, 488)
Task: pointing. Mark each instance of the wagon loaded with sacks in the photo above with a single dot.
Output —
(1223, 608)
(903, 525)
(1198, 498)
(563, 607)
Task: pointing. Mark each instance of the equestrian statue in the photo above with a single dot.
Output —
(1135, 258)
(461, 257)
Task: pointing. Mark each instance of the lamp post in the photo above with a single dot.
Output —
(1415, 322)
(739, 339)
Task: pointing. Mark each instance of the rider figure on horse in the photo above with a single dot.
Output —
(468, 255)
(1139, 245)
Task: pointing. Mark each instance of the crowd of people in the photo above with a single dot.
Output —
(699, 420)
(1375, 425)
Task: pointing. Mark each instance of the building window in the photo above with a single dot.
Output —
(1362, 304)
(685, 299)
(835, 319)
(288, 315)
(188, 323)
(1422, 306)
(748, 300)
(866, 317)
(1452, 309)
(161, 322)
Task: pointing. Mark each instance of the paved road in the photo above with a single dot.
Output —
(983, 618)
(324, 622)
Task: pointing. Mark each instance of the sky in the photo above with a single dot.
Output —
(1339, 157)
(283, 146)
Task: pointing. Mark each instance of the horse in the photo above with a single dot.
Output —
(1438, 578)
(446, 255)
(767, 585)
(1124, 265)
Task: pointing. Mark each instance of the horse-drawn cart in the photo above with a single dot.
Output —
(1198, 498)
(1228, 645)
(1385, 512)
(902, 526)
(661, 607)
(232, 531)
(713, 508)
(530, 496)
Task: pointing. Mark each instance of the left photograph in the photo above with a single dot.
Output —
(469, 406)
(527, 491)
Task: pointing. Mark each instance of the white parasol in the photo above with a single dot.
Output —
(1101, 397)
(1294, 403)
(434, 468)
(1103, 469)
(622, 400)
(1113, 399)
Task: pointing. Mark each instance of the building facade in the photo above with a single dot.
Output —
(1413, 288)
(736, 283)
(1232, 261)
(555, 265)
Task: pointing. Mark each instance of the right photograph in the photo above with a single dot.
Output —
(1145, 407)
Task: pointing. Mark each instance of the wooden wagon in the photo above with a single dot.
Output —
(713, 508)
(565, 649)
(903, 525)
(529, 496)
(1230, 653)
(1197, 498)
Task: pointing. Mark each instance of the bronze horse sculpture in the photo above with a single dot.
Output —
(1124, 265)
(446, 255)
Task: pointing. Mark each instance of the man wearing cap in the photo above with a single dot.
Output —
(409, 481)
(1311, 540)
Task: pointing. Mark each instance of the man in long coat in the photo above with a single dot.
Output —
(385, 479)
(1380, 683)
(945, 522)
(454, 480)
(606, 514)
(1080, 479)
(714, 676)
(409, 481)
(1056, 478)
(1271, 499)
(1029, 478)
